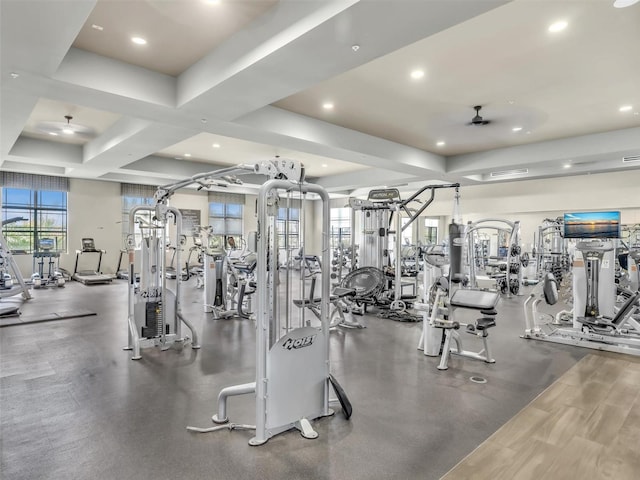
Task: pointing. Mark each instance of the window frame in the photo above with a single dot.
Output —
(132, 201)
(37, 212)
(231, 213)
(338, 223)
(291, 238)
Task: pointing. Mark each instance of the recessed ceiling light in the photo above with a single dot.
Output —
(216, 145)
(516, 129)
(187, 155)
(138, 40)
(417, 74)
(440, 143)
(53, 134)
(95, 26)
(558, 26)
(67, 131)
(324, 165)
(624, 3)
(14, 75)
(566, 165)
(625, 108)
(327, 105)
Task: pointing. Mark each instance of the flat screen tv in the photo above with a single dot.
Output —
(592, 225)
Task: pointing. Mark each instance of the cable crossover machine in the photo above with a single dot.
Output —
(292, 378)
(155, 313)
(378, 223)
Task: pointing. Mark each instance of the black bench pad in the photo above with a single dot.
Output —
(476, 299)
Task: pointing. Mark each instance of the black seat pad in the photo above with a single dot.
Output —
(343, 292)
(485, 323)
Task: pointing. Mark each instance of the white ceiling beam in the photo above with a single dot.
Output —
(272, 63)
(300, 132)
(371, 177)
(123, 129)
(42, 152)
(138, 144)
(35, 35)
(21, 167)
(16, 109)
(603, 146)
(279, 26)
(104, 74)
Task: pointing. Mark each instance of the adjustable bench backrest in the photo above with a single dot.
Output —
(626, 308)
(475, 299)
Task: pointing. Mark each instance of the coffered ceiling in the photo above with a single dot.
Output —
(365, 93)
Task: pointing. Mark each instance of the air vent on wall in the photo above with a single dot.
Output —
(506, 173)
(631, 158)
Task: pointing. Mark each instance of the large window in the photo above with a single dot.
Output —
(288, 228)
(430, 232)
(43, 210)
(341, 227)
(226, 216)
(132, 196)
(407, 234)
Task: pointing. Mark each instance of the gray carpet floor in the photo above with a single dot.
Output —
(74, 406)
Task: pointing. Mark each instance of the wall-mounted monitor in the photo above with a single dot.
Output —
(592, 225)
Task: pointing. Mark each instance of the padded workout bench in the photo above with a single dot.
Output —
(338, 293)
(485, 302)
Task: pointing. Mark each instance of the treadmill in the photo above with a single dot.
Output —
(90, 277)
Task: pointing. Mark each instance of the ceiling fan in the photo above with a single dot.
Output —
(478, 120)
(65, 128)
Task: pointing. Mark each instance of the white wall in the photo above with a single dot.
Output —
(602, 191)
(94, 209)
(531, 201)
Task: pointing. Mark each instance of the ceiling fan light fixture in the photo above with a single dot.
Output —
(65, 128)
(68, 130)
(478, 120)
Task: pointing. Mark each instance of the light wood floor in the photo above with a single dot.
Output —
(584, 426)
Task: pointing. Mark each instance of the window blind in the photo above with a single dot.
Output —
(34, 182)
(226, 198)
(134, 190)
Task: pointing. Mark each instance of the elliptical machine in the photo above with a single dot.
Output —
(53, 277)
